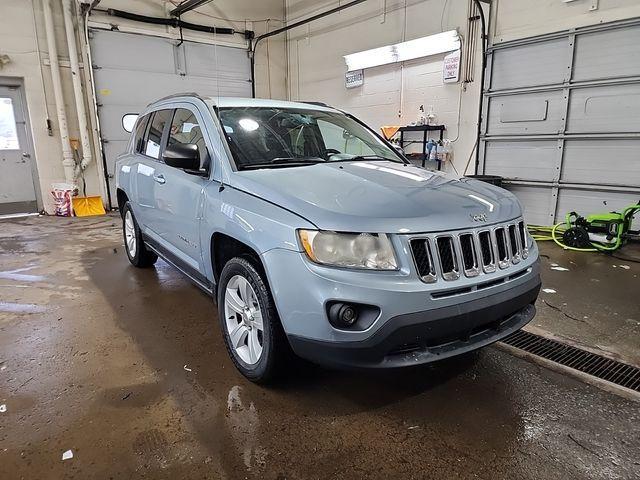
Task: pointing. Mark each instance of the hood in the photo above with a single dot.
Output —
(387, 197)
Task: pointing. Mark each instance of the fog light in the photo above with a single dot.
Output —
(343, 315)
(348, 315)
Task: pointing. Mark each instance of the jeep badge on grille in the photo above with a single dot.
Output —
(479, 217)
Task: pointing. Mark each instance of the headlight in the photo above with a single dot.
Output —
(355, 250)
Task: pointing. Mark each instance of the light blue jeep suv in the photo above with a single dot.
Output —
(317, 237)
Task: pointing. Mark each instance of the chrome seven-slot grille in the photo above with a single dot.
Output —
(469, 253)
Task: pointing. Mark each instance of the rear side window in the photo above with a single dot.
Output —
(186, 129)
(138, 133)
(153, 140)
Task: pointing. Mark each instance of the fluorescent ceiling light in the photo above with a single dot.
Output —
(420, 47)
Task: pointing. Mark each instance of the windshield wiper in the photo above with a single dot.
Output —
(282, 163)
(359, 158)
(297, 160)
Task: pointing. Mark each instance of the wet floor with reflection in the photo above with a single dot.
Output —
(127, 368)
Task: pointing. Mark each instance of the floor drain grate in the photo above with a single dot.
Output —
(598, 366)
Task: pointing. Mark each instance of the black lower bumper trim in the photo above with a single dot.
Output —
(431, 335)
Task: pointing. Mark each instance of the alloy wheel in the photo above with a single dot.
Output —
(130, 234)
(243, 319)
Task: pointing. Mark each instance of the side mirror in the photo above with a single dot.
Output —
(129, 121)
(185, 156)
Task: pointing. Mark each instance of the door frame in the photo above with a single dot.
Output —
(18, 84)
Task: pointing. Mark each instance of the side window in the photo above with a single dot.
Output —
(138, 133)
(153, 138)
(185, 129)
(337, 138)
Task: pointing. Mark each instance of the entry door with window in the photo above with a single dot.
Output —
(17, 189)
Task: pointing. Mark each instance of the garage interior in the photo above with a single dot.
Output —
(126, 369)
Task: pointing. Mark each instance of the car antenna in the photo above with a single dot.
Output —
(221, 187)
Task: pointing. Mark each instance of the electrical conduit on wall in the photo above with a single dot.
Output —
(68, 162)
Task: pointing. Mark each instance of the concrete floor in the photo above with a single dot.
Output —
(595, 301)
(127, 369)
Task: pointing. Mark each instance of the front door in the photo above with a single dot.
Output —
(179, 198)
(17, 188)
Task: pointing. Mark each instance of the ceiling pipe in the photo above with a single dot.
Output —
(254, 43)
(85, 11)
(77, 87)
(68, 162)
(484, 41)
(187, 6)
(173, 22)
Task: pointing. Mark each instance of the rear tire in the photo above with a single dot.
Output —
(249, 321)
(137, 251)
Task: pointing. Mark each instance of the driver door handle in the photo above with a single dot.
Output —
(159, 178)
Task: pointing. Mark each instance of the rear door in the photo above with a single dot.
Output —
(178, 200)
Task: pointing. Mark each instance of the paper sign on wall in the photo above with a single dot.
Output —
(451, 67)
(354, 78)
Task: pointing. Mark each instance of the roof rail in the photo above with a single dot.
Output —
(319, 104)
(175, 95)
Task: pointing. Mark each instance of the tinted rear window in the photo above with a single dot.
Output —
(138, 133)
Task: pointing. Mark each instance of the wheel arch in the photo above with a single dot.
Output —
(224, 247)
(122, 198)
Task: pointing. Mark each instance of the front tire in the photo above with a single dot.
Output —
(137, 252)
(249, 321)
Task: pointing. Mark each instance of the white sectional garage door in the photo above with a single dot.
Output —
(132, 71)
(561, 120)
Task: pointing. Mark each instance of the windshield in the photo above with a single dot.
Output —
(262, 137)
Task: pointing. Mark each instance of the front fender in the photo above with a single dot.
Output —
(251, 220)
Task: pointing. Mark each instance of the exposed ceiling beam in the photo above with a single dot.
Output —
(187, 6)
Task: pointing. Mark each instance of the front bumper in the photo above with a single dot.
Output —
(416, 324)
(431, 335)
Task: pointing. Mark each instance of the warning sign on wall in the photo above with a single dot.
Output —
(354, 78)
(451, 67)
